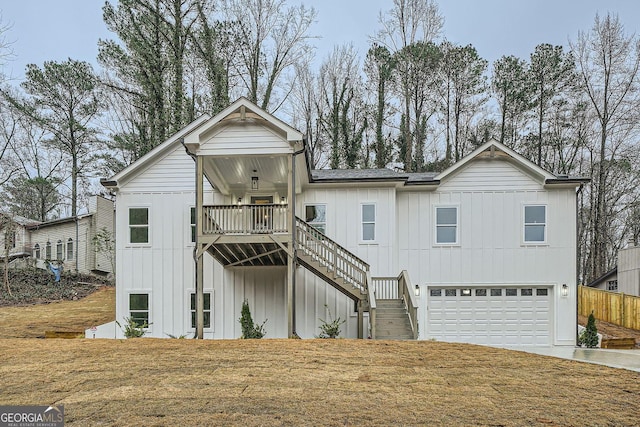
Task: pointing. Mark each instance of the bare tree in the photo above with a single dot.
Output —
(271, 39)
(608, 62)
(408, 31)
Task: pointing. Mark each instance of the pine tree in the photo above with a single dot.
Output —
(589, 338)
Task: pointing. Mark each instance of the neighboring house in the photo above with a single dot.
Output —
(483, 252)
(15, 236)
(625, 277)
(70, 240)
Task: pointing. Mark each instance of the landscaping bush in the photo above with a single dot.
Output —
(132, 329)
(330, 329)
(250, 330)
(589, 337)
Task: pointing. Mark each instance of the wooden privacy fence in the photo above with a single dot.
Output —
(612, 307)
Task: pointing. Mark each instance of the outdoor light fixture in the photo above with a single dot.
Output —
(417, 290)
(565, 290)
(254, 183)
(283, 200)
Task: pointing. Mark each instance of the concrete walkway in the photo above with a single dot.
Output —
(625, 359)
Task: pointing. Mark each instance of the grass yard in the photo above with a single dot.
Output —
(171, 382)
(152, 382)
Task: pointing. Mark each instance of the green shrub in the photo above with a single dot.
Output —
(132, 329)
(330, 329)
(589, 337)
(250, 330)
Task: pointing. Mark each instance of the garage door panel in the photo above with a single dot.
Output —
(490, 316)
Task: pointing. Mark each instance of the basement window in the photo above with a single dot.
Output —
(139, 308)
(207, 310)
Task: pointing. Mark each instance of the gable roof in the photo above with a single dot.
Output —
(242, 108)
(155, 154)
(605, 277)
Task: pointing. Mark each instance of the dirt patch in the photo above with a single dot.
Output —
(610, 330)
(31, 321)
(153, 382)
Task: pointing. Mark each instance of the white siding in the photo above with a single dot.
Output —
(174, 172)
(629, 270)
(489, 175)
(244, 138)
(344, 222)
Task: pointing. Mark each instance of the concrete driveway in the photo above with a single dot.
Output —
(625, 359)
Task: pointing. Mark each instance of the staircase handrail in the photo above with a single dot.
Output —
(408, 296)
(372, 308)
(339, 260)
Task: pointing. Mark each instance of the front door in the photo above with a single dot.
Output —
(262, 216)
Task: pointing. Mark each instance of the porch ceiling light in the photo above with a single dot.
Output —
(254, 183)
(417, 290)
(239, 200)
(565, 290)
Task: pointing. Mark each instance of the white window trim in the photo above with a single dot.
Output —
(67, 249)
(149, 213)
(435, 225)
(524, 224)
(211, 310)
(325, 214)
(375, 224)
(149, 309)
(189, 225)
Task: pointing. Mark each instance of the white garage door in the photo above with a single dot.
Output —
(500, 316)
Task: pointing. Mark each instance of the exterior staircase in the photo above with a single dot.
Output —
(392, 320)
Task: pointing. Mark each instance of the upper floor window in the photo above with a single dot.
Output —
(192, 225)
(70, 248)
(59, 251)
(535, 223)
(316, 216)
(368, 222)
(36, 251)
(47, 252)
(139, 225)
(447, 225)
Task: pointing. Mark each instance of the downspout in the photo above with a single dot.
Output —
(293, 230)
(578, 194)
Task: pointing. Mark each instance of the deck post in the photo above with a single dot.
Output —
(199, 253)
(360, 320)
(291, 268)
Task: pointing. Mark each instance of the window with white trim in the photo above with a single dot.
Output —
(535, 223)
(70, 248)
(192, 224)
(447, 225)
(316, 216)
(138, 225)
(207, 310)
(139, 309)
(59, 251)
(612, 285)
(36, 251)
(47, 251)
(368, 222)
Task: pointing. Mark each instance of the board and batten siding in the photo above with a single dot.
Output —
(176, 171)
(244, 138)
(344, 221)
(491, 248)
(489, 175)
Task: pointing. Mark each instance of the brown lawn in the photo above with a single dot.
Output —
(31, 321)
(152, 382)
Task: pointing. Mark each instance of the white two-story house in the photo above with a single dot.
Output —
(228, 209)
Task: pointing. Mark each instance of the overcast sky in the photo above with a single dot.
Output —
(58, 29)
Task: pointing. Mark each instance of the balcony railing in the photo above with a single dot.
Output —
(245, 219)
